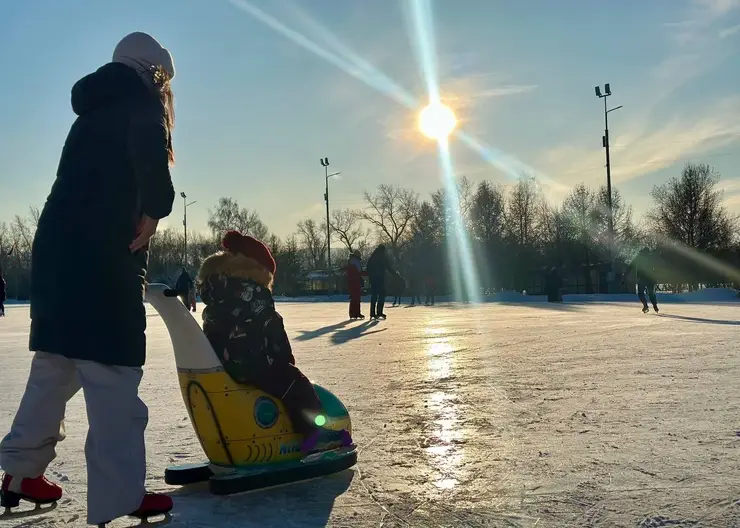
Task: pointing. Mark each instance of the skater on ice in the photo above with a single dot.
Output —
(354, 284)
(99, 217)
(248, 335)
(377, 265)
(3, 295)
(398, 288)
(186, 289)
(414, 283)
(645, 277)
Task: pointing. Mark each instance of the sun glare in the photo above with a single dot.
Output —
(437, 121)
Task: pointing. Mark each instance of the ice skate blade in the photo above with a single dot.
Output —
(144, 521)
(39, 509)
(329, 454)
(187, 474)
(270, 475)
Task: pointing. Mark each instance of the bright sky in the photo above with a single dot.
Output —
(256, 110)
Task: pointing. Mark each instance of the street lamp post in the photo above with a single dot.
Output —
(605, 144)
(185, 225)
(325, 163)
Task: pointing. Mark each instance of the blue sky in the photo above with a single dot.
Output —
(256, 111)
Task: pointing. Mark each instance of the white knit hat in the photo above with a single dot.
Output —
(141, 52)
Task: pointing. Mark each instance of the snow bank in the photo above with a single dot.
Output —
(511, 296)
(707, 295)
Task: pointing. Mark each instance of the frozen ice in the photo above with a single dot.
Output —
(517, 415)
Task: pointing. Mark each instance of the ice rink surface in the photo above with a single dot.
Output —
(481, 416)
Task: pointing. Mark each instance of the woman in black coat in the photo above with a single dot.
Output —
(112, 187)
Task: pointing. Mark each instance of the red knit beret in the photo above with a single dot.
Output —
(250, 247)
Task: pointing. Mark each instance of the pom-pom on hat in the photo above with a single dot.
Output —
(250, 247)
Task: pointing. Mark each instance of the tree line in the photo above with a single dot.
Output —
(516, 236)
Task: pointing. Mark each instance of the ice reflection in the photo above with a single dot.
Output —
(444, 435)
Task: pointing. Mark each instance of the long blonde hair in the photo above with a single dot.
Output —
(161, 81)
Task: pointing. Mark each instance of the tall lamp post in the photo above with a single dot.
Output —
(185, 225)
(605, 144)
(325, 163)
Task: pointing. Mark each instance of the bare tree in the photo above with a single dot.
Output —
(391, 211)
(523, 209)
(626, 234)
(689, 210)
(228, 215)
(487, 213)
(466, 197)
(557, 233)
(313, 238)
(580, 207)
(465, 202)
(346, 223)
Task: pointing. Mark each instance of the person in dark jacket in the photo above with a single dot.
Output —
(553, 284)
(414, 283)
(185, 289)
(249, 338)
(112, 187)
(645, 277)
(3, 295)
(377, 265)
(398, 288)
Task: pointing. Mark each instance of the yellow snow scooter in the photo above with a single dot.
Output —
(245, 433)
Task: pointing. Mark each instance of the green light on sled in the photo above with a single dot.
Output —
(320, 420)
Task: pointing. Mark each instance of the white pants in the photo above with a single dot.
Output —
(114, 450)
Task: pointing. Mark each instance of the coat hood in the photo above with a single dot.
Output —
(235, 266)
(110, 83)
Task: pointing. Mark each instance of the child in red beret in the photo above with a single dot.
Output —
(248, 335)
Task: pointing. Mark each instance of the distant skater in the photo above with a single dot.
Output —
(645, 277)
(2, 294)
(354, 284)
(186, 289)
(431, 287)
(377, 265)
(398, 287)
(413, 283)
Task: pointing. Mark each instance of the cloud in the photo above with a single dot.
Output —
(501, 91)
(683, 24)
(478, 85)
(728, 32)
(716, 8)
(637, 153)
(696, 30)
(731, 190)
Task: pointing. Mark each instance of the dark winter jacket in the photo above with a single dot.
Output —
(3, 293)
(377, 265)
(240, 320)
(113, 168)
(644, 268)
(184, 283)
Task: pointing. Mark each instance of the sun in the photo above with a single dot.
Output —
(437, 121)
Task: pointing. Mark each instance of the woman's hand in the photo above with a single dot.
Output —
(145, 231)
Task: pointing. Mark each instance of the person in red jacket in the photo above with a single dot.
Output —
(354, 284)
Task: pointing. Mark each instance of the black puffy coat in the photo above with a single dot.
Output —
(243, 327)
(377, 265)
(113, 168)
(644, 267)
